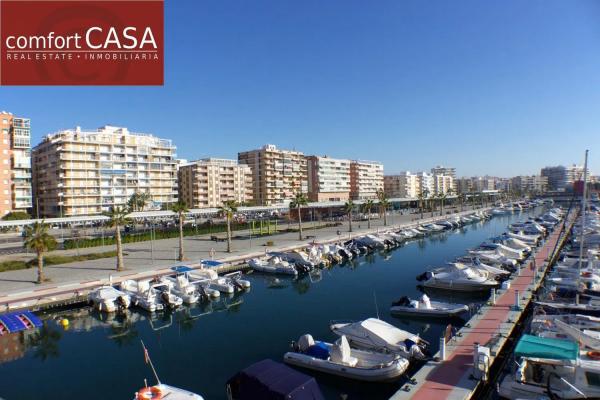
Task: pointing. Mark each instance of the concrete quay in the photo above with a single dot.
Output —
(70, 283)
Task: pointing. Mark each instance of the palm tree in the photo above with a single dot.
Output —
(39, 240)
(348, 209)
(367, 206)
(180, 208)
(118, 218)
(442, 197)
(299, 201)
(421, 203)
(227, 210)
(462, 197)
(384, 204)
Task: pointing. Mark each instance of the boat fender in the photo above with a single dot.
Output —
(594, 355)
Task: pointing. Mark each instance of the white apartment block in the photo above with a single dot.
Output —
(277, 175)
(328, 178)
(533, 183)
(442, 184)
(425, 184)
(210, 182)
(366, 179)
(446, 171)
(82, 172)
(403, 185)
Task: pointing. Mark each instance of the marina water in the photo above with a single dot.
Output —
(199, 348)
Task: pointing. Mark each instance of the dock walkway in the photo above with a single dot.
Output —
(491, 327)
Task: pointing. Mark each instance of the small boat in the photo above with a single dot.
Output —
(270, 380)
(142, 294)
(161, 390)
(212, 282)
(460, 279)
(551, 368)
(341, 360)
(427, 308)
(273, 265)
(377, 335)
(181, 286)
(109, 299)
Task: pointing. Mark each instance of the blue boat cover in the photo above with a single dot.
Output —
(270, 380)
(181, 269)
(210, 263)
(318, 350)
(14, 322)
(555, 349)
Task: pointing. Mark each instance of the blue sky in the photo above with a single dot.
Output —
(490, 87)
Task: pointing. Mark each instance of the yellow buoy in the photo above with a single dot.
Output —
(65, 323)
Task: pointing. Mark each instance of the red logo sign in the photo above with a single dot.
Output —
(81, 42)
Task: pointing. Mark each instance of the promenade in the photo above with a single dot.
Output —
(148, 259)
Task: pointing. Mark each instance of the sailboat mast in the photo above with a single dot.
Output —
(583, 212)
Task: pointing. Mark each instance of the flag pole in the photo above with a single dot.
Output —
(149, 361)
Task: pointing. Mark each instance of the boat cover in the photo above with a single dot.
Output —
(270, 380)
(555, 349)
(380, 332)
(210, 263)
(16, 321)
(181, 269)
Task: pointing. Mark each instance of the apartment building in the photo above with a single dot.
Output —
(425, 184)
(446, 171)
(443, 184)
(277, 175)
(81, 172)
(15, 156)
(532, 184)
(366, 179)
(210, 182)
(402, 185)
(561, 178)
(328, 178)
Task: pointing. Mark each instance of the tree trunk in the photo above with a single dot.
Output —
(40, 261)
(421, 207)
(119, 249)
(299, 223)
(350, 222)
(228, 234)
(181, 256)
(384, 216)
(369, 220)
(442, 208)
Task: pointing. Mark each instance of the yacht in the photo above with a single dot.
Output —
(377, 335)
(426, 308)
(341, 360)
(459, 279)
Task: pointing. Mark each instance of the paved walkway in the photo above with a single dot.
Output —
(151, 258)
(450, 379)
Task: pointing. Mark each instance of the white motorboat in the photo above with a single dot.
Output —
(494, 257)
(531, 240)
(273, 265)
(142, 294)
(377, 335)
(459, 279)
(495, 273)
(109, 299)
(371, 241)
(557, 366)
(211, 281)
(341, 360)
(426, 308)
(180, 286)
(169, 298)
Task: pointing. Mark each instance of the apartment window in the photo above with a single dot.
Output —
(4, 121)
(5, 131)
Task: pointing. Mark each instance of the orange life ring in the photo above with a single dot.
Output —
(587, 274)
(149, 393)
(594, 355)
